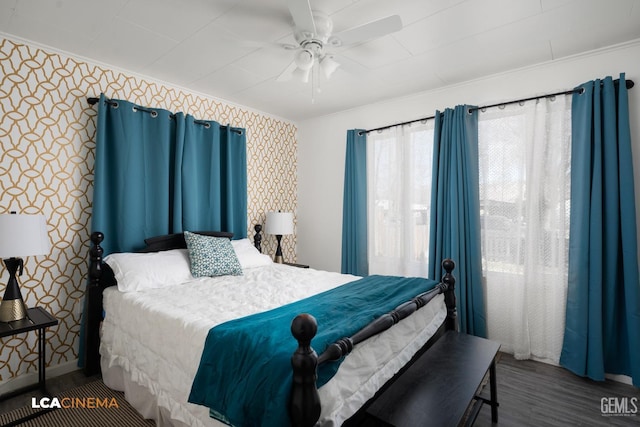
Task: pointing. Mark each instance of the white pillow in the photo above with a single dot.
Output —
(140, 271)
(248, 255)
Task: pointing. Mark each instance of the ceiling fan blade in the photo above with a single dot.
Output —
(302, 16)
(368, 31)
(349, 65)
(287, 73)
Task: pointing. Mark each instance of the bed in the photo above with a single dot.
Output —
(150, 341)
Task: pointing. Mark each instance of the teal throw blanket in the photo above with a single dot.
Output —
(244, 375)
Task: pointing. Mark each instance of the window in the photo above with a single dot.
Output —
(524, 164)
(399, 163)
(524, 158)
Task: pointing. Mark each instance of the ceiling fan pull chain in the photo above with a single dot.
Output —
(313, 84)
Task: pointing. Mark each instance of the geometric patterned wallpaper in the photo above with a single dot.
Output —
(47, 132)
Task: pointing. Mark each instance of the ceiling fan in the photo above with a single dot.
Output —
(313, 31)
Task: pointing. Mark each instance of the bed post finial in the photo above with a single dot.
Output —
(304, 406)
(449, 295)
(257, 238)
(95, 257)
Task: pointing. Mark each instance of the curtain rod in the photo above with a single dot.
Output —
(94, 101)
(629, 84)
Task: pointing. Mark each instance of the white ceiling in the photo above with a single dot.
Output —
(229, 48)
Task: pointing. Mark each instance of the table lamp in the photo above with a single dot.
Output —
(20, 235)
(279, 223)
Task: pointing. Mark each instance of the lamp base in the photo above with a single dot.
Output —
(12, 310)
(12, 306)
(278, 258)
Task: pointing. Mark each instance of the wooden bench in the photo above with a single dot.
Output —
(440, 387)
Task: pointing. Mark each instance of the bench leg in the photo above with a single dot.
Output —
(494, 392)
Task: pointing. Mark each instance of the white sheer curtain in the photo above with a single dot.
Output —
(399, 164)
(524, 197)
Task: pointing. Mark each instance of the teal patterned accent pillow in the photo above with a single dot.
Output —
(211, 256)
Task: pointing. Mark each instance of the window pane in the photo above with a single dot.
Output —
(524, 186)
(399, 168)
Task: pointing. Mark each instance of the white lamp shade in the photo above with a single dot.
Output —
(23, 235)
(279, 223)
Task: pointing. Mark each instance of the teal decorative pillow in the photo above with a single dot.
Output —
(211, 256)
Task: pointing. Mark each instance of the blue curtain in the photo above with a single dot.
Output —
(455, 212)
(211, 177)
(354, 208)
(135, 153)
(158, 173)
(602, 330)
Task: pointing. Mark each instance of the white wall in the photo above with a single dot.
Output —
(321, 141)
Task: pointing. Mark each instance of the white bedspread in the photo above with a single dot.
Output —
(154, 339)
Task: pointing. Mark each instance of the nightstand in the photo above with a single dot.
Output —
(292, 264)
(37, 319)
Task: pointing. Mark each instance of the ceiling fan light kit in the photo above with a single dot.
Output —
(313, 32)
(302, 74)
(304, 59)
(328, 65)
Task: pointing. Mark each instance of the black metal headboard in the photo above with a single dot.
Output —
(176, 241)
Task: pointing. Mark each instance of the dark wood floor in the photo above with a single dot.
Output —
(537, 394)
(530, 394)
